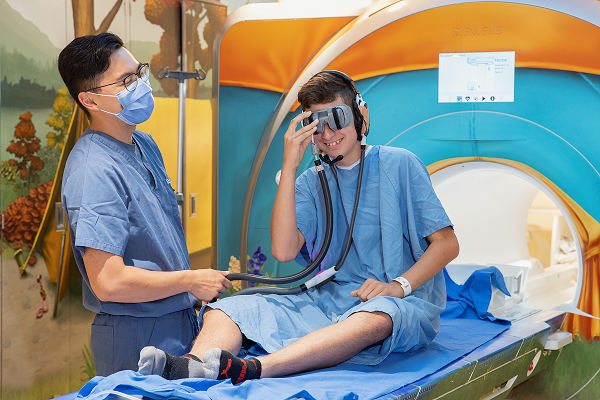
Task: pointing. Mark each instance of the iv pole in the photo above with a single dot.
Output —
(181, 76)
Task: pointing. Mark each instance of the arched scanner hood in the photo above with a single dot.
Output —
(266, 52)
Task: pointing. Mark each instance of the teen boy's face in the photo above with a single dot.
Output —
(340, 142)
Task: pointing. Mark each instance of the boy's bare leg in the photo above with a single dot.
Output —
(220, 340)
(218, 330)
(328, 346)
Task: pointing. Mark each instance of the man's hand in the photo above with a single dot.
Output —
(372, 288)
(209, 283)
(112, 280)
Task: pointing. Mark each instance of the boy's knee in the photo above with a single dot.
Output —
(211, 314)
(216, 319)
(377, 325)
(384, 324)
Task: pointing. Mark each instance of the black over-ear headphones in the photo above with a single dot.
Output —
(359, 106)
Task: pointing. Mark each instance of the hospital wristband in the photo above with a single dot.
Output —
(405, 285)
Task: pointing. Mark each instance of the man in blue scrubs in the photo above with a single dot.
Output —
(124, 220)
(389, 293)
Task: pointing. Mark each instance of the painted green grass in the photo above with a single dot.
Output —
(575, 367)
(46, 388)
(89, 368)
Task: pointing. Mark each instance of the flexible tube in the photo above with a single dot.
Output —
(320, 282)
(269, 290)
(344, 253)
(326, 242)
(308, 270)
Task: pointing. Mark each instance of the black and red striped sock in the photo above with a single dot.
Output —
(220, 364)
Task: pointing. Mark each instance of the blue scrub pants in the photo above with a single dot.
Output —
(116, 340)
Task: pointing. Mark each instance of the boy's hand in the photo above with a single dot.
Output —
(372, 288)
(296, 141)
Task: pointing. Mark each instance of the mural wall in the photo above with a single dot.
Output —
(44, 344)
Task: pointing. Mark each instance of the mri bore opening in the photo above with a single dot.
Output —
(502, 216)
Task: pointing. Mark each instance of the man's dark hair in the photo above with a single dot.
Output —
(84, 60)
(326, 87)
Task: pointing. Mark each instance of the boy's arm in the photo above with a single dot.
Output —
(443, 248)
(286, 239)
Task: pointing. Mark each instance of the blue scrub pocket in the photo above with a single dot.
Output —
(102, 342)
(175, 332)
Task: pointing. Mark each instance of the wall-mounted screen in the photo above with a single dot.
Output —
(477, 77)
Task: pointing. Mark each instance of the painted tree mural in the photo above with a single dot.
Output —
(22, 219)
(83, 17)
(23, 215)
(167, 14)
(215, 14)
(59, 120)
(24, 147)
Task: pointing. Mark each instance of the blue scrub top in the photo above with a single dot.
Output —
(116, 204)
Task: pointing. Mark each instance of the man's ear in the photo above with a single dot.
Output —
(86, 100)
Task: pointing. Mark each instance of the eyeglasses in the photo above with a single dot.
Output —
(131, 81)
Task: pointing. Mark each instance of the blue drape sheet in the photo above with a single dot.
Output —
(465, 325)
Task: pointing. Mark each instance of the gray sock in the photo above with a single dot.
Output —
(196, 368)
(212, 363)
(154, 361)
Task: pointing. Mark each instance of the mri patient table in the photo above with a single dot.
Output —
(476, 355)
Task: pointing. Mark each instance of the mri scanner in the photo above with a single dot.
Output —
(487, 160)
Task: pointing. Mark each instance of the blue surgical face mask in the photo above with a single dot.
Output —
(137, 104)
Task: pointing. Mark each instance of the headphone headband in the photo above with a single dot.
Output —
(342, 75)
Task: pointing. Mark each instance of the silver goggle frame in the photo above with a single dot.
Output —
(337, 117)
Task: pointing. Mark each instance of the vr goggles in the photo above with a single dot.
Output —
(337, 117)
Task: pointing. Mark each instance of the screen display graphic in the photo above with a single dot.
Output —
(477, 77)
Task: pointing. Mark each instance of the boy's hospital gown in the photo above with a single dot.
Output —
(397, 210)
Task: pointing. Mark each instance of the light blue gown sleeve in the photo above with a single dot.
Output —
(429, 215)
(405, 181)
